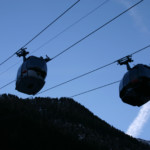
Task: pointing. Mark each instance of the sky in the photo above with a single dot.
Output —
(22, 20)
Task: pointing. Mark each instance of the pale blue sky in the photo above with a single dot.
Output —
(21, 20)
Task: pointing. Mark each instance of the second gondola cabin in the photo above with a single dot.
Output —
(134, 88)
(31, 74)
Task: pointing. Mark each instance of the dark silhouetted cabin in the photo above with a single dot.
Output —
(135, 86)
(31, 75)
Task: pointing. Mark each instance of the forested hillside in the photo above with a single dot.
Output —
(51, 123)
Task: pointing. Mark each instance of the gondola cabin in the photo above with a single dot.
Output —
(31, 75)
(134, 88)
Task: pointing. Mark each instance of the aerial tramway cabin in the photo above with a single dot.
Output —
(134, 88)
(31, 74)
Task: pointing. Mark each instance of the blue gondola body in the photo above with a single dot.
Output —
(31, 75)
(134, 88)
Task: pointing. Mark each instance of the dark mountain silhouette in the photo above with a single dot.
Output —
(54, 124)
(143, 141)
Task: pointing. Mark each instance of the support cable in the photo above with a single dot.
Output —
(92, 71)
(70, 26)
(7, 84)
(85, 38)
(87, 73)
(111, 20)
(94, 31)
(41, 32)
(91, 90)
(51, 23)
(80, 76)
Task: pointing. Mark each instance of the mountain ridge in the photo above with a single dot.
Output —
(44, 123)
